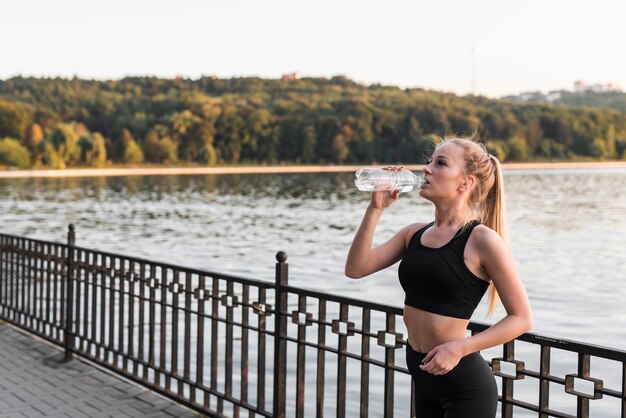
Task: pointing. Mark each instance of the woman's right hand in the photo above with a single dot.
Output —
(384, 198)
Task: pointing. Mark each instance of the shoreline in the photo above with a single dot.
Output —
(155, 171)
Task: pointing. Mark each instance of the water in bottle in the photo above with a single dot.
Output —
(375, 179)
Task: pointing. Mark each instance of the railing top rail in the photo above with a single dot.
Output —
(554, 342)
(562, 344)
(191, 270)
(40, 241)
(341, 299)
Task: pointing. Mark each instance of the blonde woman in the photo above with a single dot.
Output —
(446, 267)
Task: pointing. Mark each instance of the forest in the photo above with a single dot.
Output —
(60, 123)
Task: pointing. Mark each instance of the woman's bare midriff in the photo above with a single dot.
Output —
(428, 330)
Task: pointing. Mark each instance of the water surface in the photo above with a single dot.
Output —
(567, 229)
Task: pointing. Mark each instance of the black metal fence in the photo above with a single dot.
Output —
(231, 347)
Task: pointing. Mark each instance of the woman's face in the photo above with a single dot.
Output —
(444, 175)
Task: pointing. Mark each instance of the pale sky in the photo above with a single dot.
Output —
(522, 45)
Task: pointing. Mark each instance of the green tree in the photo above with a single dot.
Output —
(518, 149)
(258, 122)
(531, 130)
(339, 145)
(230, 134)
(551, 149)
(132, 151)
(32, 141)
(267, 148)
(64, 139)
(309, 140)
(620, 146)
(611, 142)
(183, 124)
(194, 136)
(50, 157)
(14, 119)
(34, 136)
(598, 148)
(158, 147)
(93, 150)
(14, 154)
(98, 157)
(204, 134)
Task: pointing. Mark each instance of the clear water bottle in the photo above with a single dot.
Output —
(375, 179)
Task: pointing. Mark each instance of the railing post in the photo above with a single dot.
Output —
(583, 372)
(69, 295)
(544, 383)
(507, 383)
(280, 335)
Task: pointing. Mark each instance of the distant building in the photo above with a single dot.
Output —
(614, 87)
(554, 96)
(530, 96)
(291, 76)
(581, 87)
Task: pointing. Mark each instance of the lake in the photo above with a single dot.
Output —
(567, 228)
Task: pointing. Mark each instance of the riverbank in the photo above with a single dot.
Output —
(154, 171)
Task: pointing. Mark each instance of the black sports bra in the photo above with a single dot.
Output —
(437, 280)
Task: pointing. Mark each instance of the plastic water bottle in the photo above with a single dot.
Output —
(375, 179)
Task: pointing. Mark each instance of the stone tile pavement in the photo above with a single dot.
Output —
(34, 382)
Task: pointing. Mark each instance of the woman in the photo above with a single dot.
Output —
(447, 266)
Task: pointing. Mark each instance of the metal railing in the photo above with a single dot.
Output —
(230, 347)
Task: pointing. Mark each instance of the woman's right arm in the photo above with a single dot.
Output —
(364, 260)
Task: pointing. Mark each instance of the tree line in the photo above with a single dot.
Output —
(59, 123)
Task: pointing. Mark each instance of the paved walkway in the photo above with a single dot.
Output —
(34, 382)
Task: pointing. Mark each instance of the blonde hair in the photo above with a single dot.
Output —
(486, 199)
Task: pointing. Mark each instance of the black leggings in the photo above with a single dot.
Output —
(467, 391)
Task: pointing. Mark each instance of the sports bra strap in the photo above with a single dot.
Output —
(458, 241)
(417, 235)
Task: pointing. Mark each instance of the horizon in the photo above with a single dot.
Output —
(486, 48)
(306, 76)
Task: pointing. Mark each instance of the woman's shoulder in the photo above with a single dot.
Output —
(411, 229)
(483, 237)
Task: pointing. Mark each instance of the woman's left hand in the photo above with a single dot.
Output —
(443, 358)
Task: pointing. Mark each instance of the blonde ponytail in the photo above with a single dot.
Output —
(493, 215)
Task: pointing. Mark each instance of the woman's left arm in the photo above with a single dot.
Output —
(497, 261)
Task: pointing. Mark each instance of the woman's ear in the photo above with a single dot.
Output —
(468, 184)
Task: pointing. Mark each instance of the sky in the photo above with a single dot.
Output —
(486, 47)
